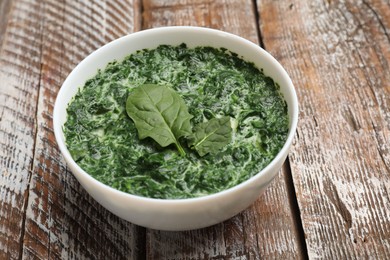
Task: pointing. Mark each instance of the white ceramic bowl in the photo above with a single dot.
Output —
(175, 214)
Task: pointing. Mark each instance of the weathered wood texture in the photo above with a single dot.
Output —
(44, 213)
(338, 53)
(18, 94)
(265, 230)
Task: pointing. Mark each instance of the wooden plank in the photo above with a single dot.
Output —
(19, 80)
(267, 229)
(229, 15)
(44, 212)
(63, 221)
(338, 54)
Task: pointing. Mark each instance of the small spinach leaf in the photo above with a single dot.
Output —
(211, 136)
(160, 113)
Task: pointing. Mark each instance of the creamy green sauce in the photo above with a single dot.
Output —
(103, 140)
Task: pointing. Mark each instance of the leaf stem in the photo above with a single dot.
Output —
(181, 150)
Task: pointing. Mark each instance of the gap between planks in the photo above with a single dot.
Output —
(140, 232)
(257, 21)
(295, 211)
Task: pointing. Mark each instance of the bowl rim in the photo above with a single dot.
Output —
(281, 154)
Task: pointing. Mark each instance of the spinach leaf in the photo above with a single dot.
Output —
(160, 113)
(211, 136)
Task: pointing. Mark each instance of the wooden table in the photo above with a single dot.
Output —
(330, 201)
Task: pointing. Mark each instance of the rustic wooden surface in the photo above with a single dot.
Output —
(331, 199)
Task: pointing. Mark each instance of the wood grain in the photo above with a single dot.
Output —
(233, 16)
(44, 213)
(5, 7)
(19, 77)
(265, 230)
(338, 54)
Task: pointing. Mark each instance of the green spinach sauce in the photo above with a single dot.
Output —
(103, 139)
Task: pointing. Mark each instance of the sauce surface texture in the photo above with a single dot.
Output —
(103, 139)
